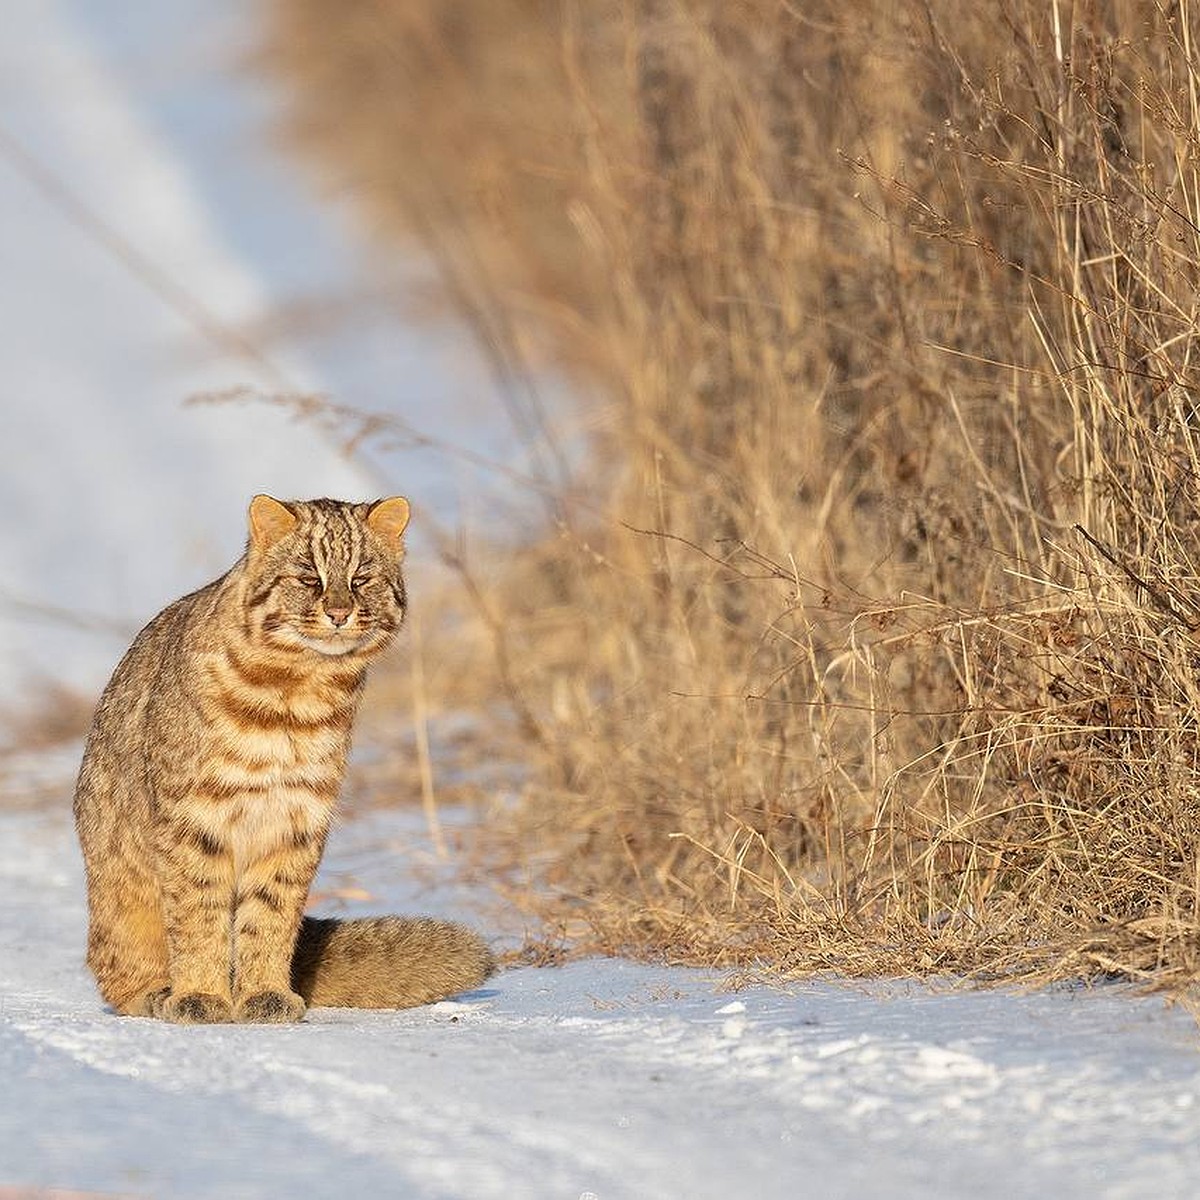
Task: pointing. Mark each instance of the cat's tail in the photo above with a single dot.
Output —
(386, 962)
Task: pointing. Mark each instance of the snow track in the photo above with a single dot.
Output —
(603, 1078)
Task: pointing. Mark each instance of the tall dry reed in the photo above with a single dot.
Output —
(866, 635)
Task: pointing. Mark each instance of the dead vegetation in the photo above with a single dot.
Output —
(866, 636)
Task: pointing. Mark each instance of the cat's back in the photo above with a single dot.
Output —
(152, 675)
(160, 654)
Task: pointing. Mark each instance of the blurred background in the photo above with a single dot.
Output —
(160, 252)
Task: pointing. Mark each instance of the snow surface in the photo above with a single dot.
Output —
(599, 1079)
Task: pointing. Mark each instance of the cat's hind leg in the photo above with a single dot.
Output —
(127, 946)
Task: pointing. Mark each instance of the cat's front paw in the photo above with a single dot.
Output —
(270, 1006)
(196, 1008)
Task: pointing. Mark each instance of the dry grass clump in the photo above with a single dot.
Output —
(867, 637)
(39, 742)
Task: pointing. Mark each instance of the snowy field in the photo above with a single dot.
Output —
(600, 1079)
(131, 158)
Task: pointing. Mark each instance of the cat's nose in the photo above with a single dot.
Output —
(339, 616)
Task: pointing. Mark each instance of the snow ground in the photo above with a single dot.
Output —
(601, 1079)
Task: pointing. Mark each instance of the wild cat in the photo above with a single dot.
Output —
(210, 776)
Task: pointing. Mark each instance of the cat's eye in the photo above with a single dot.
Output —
(309, 580)
(361, 580)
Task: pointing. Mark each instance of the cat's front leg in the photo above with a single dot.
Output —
(270, 902)
(197, 872)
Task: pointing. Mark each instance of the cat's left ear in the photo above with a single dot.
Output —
(270, 520)
(388, 519)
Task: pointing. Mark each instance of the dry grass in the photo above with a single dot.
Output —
(49, 715)
(39, 744)
(867, 635)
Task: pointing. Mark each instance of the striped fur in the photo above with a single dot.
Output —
(210, 777)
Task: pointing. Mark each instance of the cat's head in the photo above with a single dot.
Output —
(324, 575)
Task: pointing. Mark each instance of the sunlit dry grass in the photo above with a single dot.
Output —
(866, 637)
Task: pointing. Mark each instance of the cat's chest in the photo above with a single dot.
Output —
(270, 762)
(277, 752)
(277, 729)
(260, 825)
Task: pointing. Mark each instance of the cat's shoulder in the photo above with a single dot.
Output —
(171, 630)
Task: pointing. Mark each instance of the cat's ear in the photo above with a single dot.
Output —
(388, 519)
(270, 520)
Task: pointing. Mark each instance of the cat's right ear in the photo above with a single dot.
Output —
(270, 520)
